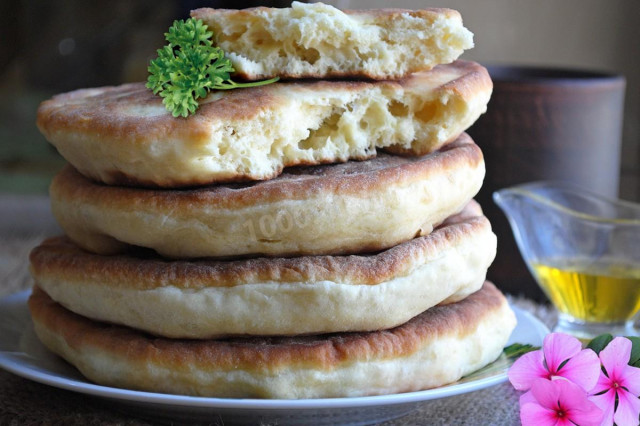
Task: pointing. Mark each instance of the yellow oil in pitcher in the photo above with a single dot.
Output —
(603, 291)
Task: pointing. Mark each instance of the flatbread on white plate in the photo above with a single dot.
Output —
(437, 347)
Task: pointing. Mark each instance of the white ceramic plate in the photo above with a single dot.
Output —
(21, 353)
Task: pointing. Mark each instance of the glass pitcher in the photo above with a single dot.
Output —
(584, 252)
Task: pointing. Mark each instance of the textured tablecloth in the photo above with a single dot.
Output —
(27, 220)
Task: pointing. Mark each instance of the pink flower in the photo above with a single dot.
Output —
(618, 381)
(558, 402)
(561, 356)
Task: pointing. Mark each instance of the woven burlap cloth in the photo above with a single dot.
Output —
(27, 220)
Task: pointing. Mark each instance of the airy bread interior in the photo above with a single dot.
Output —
(318, 40)
(124, 135)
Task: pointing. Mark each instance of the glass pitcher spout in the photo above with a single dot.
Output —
(565, 198)
(556, 218)
(582, 249)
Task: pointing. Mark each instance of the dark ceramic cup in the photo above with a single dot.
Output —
(546, 124)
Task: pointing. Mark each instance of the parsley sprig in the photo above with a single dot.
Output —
(189, 67)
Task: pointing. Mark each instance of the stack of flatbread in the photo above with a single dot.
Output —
(315, 237)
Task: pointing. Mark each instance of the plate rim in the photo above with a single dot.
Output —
(10, 361)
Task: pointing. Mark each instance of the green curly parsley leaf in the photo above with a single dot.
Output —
(189, 67)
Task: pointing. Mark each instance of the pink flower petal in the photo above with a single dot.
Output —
(628, 411)
(604, 384)
(616, 356)
(547, 392)
(586, 414)
(526, 369)
(558, 402)
(573, 399)
(570, 394)
(583, 369)
(532, 414)
(591, 417)
(631, 380)
(606, 402)
(526, 398)
(566, 396)
(558, 347)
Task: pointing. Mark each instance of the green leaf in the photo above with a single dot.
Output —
(189, 66)
(635, 351)
(600, 342)
(517, 349)
(504, 361)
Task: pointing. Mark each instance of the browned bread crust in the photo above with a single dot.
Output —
(355, 206)
(60, 259)
(272, 367)
(298, 295)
